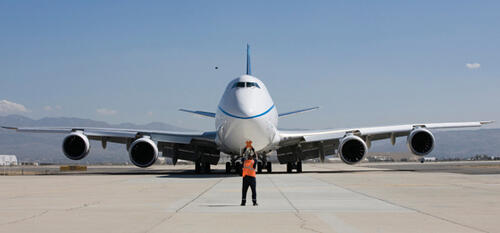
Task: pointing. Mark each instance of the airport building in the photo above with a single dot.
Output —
(8, 160)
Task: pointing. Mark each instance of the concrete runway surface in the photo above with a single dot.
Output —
(325, 198)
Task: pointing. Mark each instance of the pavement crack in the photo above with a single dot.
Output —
(165, 219)
(402, 206)
(303, 222)
(160, 222)
(25, 219)
(283, 194)
(199, 195)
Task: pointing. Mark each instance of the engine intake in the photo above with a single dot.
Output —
(352, 149)
(420, 142)
(76, 146)
(143, 152)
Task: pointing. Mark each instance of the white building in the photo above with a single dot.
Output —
(430, 159)
(8, 160)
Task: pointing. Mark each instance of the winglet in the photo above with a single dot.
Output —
(249, 68)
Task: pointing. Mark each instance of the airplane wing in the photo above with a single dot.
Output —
(317, 143)
(297, 111)
(201, 113)
(184, 145)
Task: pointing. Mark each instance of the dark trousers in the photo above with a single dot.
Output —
(249, 181)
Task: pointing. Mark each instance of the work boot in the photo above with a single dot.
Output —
(255, 203)
(243, 203)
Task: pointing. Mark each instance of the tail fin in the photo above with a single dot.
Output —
(249, 68)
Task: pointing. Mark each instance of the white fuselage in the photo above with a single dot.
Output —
(246, 112)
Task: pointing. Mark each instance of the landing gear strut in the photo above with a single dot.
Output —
(234, 164)
(269, 167)
(259, 167)
(197, 167)
(264, 164)
(206, 167)
(201, 167)
(297, 166)
(238, 168)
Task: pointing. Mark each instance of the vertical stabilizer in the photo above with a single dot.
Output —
(249, 68)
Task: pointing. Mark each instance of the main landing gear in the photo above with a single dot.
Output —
(297, 166)
(201, 167)
(264, 165)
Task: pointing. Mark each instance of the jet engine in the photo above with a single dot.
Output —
(420, 141)
(352, 149)
(143, 152)
(76, 146)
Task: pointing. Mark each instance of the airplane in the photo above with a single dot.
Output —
(246, 114)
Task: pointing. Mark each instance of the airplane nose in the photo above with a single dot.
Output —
(248, 105)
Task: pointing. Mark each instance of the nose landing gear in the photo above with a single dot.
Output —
(234, 165)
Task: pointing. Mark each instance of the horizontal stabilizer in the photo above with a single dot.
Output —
(201, 113)
(297, 111)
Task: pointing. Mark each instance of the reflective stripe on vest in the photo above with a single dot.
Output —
(248, 169)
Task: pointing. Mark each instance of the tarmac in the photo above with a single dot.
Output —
(329, 197)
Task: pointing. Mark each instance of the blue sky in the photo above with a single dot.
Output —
(364, 63)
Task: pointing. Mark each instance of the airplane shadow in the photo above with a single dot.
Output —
(221, 173)
(215, 173)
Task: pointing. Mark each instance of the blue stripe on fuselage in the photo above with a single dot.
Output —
(250, 117)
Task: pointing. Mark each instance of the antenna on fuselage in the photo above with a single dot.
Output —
(249, 69)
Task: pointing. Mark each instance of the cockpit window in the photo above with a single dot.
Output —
(239, 84)
(249, 84)
(246, 84)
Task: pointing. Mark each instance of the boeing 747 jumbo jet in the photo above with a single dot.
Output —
(245, 115)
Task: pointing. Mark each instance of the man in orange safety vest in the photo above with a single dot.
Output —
(249, 165)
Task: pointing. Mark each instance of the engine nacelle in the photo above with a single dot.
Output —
(420, 142)
(76, 146)
(143, 152)
(352, 149)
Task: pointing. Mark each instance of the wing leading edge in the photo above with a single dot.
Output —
(177, 145)
(318, 135)
(318, 143)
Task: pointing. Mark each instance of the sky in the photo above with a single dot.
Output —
(364, 63)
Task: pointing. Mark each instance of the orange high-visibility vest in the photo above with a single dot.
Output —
(248, 169)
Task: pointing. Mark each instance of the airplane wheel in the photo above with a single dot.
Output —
(197, 167)
(259, 167)
(238, 169)
(299, 166)
(206, 168)
(228, 167)
(288, 167)
(269, 167)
